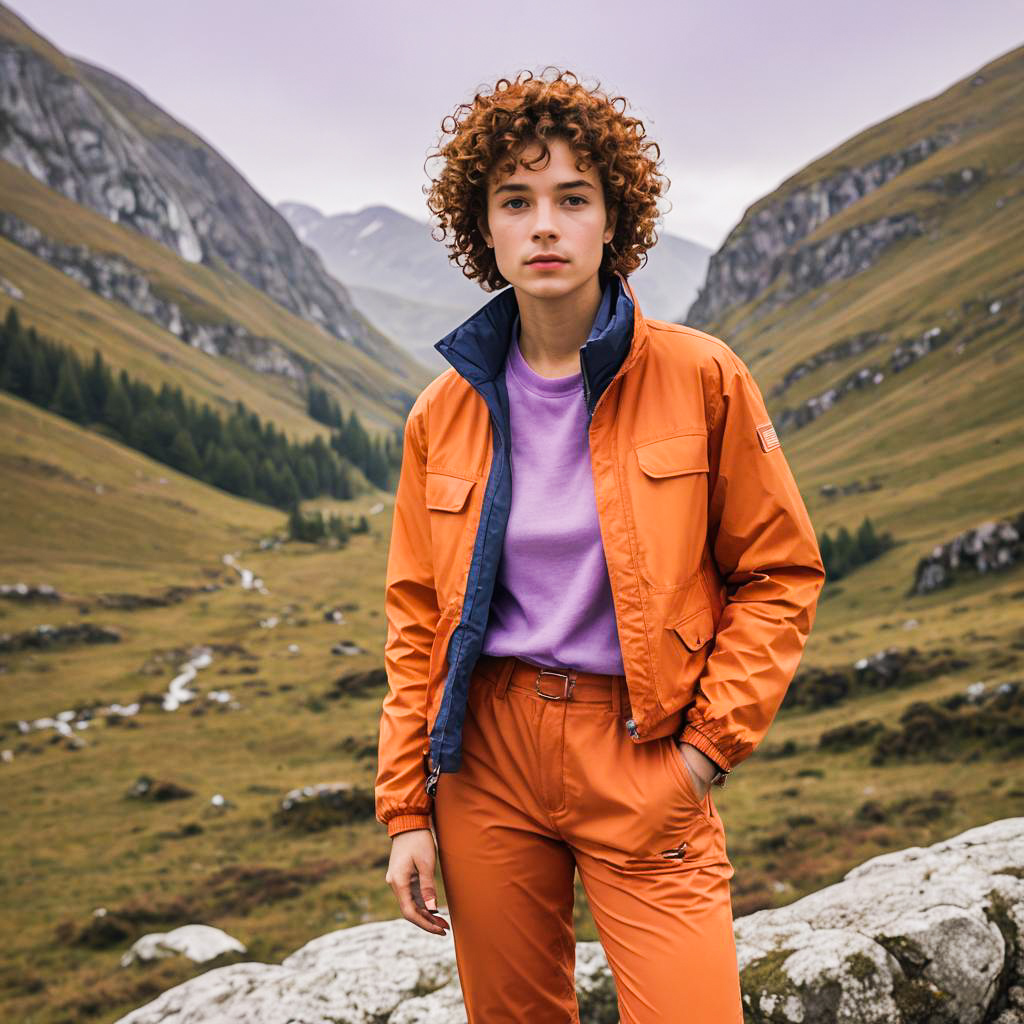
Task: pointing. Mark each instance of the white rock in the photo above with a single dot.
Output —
(923, 919)
(199, 942)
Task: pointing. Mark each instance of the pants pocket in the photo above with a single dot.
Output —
(682, 772)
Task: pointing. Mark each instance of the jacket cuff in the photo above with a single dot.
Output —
(407, 822)
(691, 734)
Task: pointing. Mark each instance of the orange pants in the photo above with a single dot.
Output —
(549, 786)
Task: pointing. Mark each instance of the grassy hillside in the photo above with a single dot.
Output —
(92, 518)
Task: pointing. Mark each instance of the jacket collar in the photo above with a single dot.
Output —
(477, 348)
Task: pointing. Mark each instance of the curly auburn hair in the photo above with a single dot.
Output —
(497, 126)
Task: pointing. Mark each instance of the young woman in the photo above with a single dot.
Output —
(600, 582)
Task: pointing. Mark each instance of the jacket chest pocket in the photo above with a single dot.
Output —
(668, 487)
(449, 500)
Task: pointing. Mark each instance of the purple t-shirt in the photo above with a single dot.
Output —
(552, 602)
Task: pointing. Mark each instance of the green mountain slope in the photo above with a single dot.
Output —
(61, 306)
(878, 297)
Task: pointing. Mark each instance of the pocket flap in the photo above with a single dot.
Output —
(697, 629)
(447, 493)
(683, 453)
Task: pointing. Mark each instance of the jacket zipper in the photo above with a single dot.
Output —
(431, 783)
(586, 387)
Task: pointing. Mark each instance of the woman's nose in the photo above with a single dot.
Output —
(544, 221)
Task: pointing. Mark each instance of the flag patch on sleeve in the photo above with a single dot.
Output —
(767, 436)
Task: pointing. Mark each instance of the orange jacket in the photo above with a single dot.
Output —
(713, 562)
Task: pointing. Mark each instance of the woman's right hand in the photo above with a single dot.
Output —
(411, 876)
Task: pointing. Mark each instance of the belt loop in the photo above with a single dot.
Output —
(618, 683)
(504, 677)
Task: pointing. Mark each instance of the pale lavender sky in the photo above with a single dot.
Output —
(337, 104)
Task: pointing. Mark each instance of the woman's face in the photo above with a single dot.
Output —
(551, 209)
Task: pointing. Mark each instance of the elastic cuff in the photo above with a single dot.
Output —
(407, 822)
(691, 734)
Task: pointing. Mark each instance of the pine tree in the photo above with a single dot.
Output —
(117, 411)
(236, 474)
(152, 432)
(67, 398)
(376, 467)
(95, 384)
(294, 521)
(183, 455)
(10, 329)
(41, 383)
(309, 485)
(344, 488)
(12, 324)
(333, 413)
(867, 542)
(289, 488)
(17, 373)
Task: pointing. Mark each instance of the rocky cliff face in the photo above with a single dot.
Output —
(765, 250)
(95, 139)
(116, 280)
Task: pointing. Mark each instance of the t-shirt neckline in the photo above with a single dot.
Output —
(527, 377)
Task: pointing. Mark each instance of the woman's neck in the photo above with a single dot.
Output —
(552, 331)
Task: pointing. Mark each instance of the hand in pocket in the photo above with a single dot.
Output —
(697, 783)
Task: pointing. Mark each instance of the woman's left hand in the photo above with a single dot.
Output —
(701, 782)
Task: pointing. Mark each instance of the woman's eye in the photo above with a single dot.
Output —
(515, 199)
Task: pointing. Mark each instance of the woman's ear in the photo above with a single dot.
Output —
(610, 222)
(481, 223)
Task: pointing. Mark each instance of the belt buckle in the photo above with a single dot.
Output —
(568, 684)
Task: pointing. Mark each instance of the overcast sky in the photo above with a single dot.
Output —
(338, 103)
